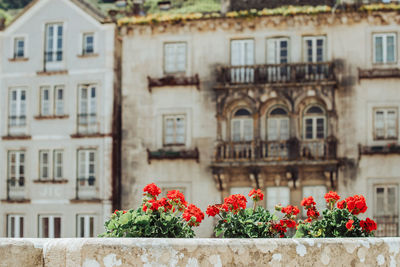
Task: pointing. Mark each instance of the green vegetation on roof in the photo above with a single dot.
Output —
(183, 6)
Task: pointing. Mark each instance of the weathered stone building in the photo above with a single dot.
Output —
(59, 121)
(296, 105)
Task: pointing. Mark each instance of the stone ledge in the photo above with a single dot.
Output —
(200, 252)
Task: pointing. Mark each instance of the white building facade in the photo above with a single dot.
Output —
(58, 121)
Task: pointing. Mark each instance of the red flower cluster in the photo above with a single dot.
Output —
(152, 204)
(178, 198)
(213, 210)
(256, 195)
(368, 225)
(152, 190)
(288, 223)
(290, 210)
(280, 228)
(349, 225)
(193, 212)
(341, 204)
(356, 204)
(309, 205)
(234, 203)
(331, 197)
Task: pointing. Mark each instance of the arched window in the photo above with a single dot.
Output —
(278, 126)
(314, 123)
(242, 126)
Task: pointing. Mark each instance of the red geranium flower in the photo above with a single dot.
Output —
(193, 212)
(178, 198)
(152, 190)
(256, 195)
(290, 210)
(152, 204)
(235, 203)
(368, 225)
(308, 202)
(349, 225)
(212, 210)
(356, 204)
(331, 197)
(341, 204)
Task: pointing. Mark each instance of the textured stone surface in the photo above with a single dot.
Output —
(200, 252)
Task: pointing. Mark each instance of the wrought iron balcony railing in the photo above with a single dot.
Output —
(276, 73)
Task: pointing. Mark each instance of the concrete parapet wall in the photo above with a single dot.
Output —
(199, 252)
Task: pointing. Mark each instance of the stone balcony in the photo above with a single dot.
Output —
(109, 252)
(287, 74)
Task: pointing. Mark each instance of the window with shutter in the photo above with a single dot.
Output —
(242, 126)
(384, 48)
(315, 48)
(85, 226)
(87, 167)
(45, 101)
(16, 169)
(385, 123)
(44, 164)
(175, 57)
(174, 129)
(242, 54)
(58, 164)
(15, 226)
(314, 123)
(49, 226)
(17, 107)
(87, 117)
(59, 100)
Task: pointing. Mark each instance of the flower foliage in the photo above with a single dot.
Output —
(338, 220)
(237, 221)
(165, 217)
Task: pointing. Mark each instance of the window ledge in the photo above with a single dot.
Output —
(88, 55)
(51, 117)
(95, 135)
(173, 80)
(89, 201)
(18, 59)
(59, 181)
(17, 137)
(378, 73)
(16, 201)
(163, 154)
(379, 149)
(52, 72)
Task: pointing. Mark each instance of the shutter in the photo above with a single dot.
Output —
(379, 124)
(22, 110)
(249, 52)
(378, 49)
(180, 130)
(92, 105)
(392, 201)
(391, 124)
(248, 129)
(272, 133)
(380, 200)
(59, 101)
(309, 128)
(13, 103)
(320, 128)
(271, 51)
(169, 57)
(236, 130)
(82, 164)
(180, 57)
(390, 48)
(169, 131)
(284, 129)
(236, 53)
(245, 192)
(320, 49)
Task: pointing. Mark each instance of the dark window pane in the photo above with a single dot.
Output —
(57, 227)
(242, 112)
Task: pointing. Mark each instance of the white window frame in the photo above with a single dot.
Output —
(279, 119)
(314, 48)
(84, 164)
(59, 103)
(270, 204)
(16, 47)
(51, 226)
(17, 227)
(87, 109)
(175, 141)
(17, 166)
(384, 37)
(242, 120)
(85, 43)
(56, 165)
(317, 192)
(52, 48)
(20, 106)
(43, 165)
(314, 119)
(175, 66)
(274, 43)
(378, 211)
(45, 105)
(87, 225)
(385, 111)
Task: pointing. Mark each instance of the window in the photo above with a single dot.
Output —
(86, 168)
(88, 44)
(85, 226)
(16, 174)
(15, 226)
(174, 57)
(277, 195)
(386, 209)
(315, 48)
(59, 100)
(242, 126)
(317, 192)
(385, 48)
(277, 50)
(174, 130)
(242, 54)
(245, 192)
(45, 101)
(17, 108)
(314, 123)
(54, 42)
(87, 113)
(49, 226)
(278, 125)
(385, 124)
(19, 47)
(45, 165)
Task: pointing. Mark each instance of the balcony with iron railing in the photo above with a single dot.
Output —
(267, 151)
(287, 73)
